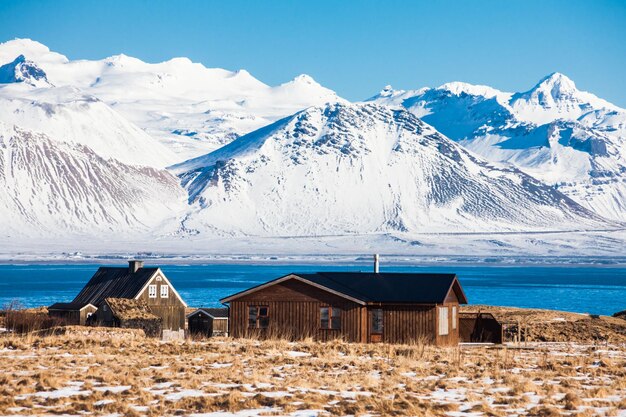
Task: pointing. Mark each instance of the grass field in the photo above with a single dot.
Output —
(91, 371)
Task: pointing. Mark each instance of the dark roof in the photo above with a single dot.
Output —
(109, 282)
(216, 313)
(383, 287)
(67, 306)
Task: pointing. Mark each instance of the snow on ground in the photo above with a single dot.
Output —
(313, 379)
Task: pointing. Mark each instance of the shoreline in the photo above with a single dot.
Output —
(390, 260)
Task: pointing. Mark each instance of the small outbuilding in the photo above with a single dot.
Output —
(480, 328)
(130, 314)
(353, 306)
(208, 322)
(72, 313)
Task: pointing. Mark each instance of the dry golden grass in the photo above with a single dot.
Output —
(100, 372)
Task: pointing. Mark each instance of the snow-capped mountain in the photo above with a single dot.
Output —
(568, 138)
(22, 70)
(83, 145)
(364, 168)
(55, 189)
(69, 115)
(555, 97)
(190, 108)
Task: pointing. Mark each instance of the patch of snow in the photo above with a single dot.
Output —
(175, 396)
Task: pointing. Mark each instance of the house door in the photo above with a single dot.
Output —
(376, 325)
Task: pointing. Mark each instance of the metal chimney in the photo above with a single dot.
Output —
(376, 264)
(134, 266)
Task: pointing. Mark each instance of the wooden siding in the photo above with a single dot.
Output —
(203, 325)
(452, 338)
(406, 323)
(170, 309)
(74, 316)
(220, 327)
(294, 313)
(480, 328)
(85, 313)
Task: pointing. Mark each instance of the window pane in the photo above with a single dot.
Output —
(324, 317)
(454, 317)
(377, 320)
(335, 323)
(264, 322)
(263, 311)
(443, 321)
(252, 316)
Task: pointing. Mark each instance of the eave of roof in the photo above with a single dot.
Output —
(69, 306)
(326, 282)
(210, 313)
(282, 279)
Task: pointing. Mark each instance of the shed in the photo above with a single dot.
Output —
(208, 322)
(130, 314)
(72, 313)
(480, 328)
(354, 306)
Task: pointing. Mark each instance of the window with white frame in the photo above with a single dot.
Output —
(165, 291)
(152, 291)
(443, 321)
(454, 317)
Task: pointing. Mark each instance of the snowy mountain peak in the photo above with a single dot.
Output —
(181, 60)
(457, 88)
(122, 61)
(388, 91)
(22, 70)
(555, 97)
(556, 85)
(305, 79)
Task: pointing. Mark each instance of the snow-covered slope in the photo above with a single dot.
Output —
(190, 108)
(69, 115)
(555, 97)
(563, 136)
(364, 168)
(52, 189)
(22, 70)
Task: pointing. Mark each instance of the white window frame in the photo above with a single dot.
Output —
(152, 291)
(454, 319)
(165, 291)
(443, 321)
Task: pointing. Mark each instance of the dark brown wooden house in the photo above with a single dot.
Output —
(354, 306)
(207, 322)
(149, 285)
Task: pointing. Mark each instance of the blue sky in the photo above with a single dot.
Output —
(353, 47)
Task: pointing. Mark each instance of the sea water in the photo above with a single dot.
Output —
(594, 290)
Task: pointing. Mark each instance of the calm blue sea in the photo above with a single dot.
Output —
(595, 290)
